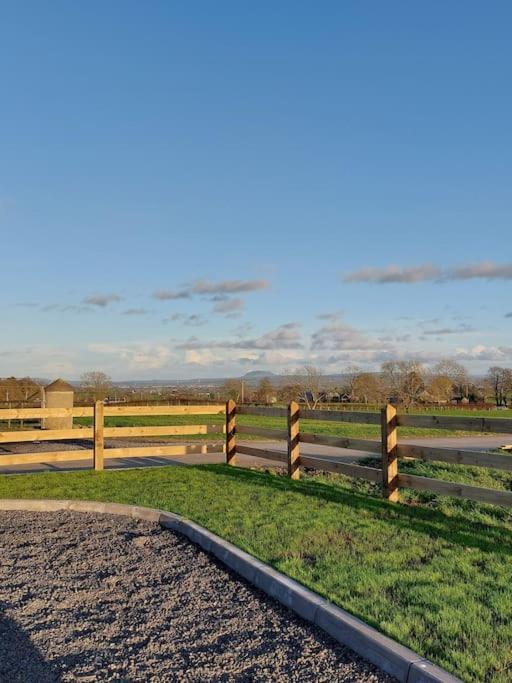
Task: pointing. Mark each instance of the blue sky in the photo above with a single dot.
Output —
(269, 163)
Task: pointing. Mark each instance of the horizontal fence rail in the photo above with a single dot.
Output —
(108, 411)
(47, 457)
(350, 469)
(457, 457)
(495, 425)
(111, 432)
(364, 445)
(262, 453)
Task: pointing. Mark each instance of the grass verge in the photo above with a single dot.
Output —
(438, 579)
(361, 431)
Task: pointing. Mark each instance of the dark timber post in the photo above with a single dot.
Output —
(230, 432)
(293, 441)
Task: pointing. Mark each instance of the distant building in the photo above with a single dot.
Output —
(59, 394)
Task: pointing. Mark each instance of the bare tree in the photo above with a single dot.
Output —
(455, 372)
(265, 391)
(96, 383)
(309, 384)
(231, 389)
(404, 381)
(289, 390)
(500, 381)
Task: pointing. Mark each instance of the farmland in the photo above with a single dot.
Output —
(318, 426)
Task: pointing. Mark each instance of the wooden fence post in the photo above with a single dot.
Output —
(293, 441)
(230, 432)
(389, 455)
(99, 440)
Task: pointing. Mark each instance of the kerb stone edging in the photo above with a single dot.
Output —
(384, 652)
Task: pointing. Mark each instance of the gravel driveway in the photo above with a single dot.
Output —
(97, 597)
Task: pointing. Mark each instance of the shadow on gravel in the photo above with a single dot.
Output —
(20, 660)
(456, 530)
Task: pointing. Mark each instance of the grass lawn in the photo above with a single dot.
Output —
(348, 429)
(435, 574)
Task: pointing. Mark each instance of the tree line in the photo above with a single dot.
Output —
(407, 383)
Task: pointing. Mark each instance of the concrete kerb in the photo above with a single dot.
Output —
(387, 654)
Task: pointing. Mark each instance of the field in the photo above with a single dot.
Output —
(435, 574)
(361, 431)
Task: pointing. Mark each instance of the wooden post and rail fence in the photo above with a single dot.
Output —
(388, 448)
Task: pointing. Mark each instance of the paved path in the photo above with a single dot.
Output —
(475, 443)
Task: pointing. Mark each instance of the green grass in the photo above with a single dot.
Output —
(348, 429)
(435, 574)
(459, 412)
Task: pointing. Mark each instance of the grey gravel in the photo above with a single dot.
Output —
(98, 597)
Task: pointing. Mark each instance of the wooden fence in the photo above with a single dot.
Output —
(388, 448)
(98, 432)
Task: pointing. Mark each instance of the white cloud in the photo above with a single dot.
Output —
(137, 356)
(206, 287)
(229, 306)
(428, 272)
(480, 352)
(102, 300)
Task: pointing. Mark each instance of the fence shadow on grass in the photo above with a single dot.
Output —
(20, 660)
(458, 529)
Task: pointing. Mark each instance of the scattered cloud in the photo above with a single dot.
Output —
(508, 315)
(485, 353)
(243, 330)
(485, 270)
(65, 308)
(441, 331)
(336, 336)
(393, 274)
(102, 300)
(229, 306)
(331, 317)
(206, 287)
(228, 286)
(193, 320)
(284, 337)
(136, 311)
(137, 356)
(170, 295)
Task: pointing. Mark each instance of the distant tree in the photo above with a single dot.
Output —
(231, 389)
(288, 391)
(440, 388)
(310, 384)
(455, 372)
(367, 387)
(96, 383)
(265, 391)
(404, 381)
(500, 382)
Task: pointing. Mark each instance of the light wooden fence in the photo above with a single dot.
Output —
(98, 432)
(389, 448)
